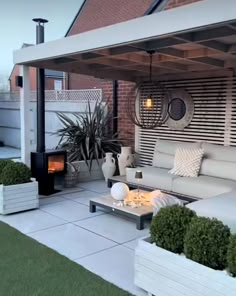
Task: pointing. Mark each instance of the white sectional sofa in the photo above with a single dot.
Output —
(214, 189)
(222, 207)
(217, 174)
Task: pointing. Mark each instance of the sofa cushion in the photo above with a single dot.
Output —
(218, 152)
(222, 207)
(169, 147)
(163, 160)
(202, 186)
(187, 162)
(219, 168)
(153, 177)
(164, 152)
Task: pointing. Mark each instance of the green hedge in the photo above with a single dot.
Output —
(3, 163)
(231, 255)
(15, 173)
(169, 226)
(206, 242)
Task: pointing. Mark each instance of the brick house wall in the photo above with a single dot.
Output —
(16, 72)
(96, 14)
(49, 81)
(176, 3)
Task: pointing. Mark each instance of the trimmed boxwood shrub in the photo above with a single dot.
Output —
(231, 255)
(206, 242)
(3, 163)
(169, 226)
(15, 173)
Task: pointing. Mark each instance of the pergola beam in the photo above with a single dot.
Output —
(208, 34)
(157, 62)
(219, 46)
(202, 41)
(172, 52)
(209, 61)
(232, 48)
(158, 44)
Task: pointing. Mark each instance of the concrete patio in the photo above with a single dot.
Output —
(101, 242)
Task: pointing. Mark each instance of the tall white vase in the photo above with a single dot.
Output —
(125, 158)
(108, 166)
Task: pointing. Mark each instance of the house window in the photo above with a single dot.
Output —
(58, 85)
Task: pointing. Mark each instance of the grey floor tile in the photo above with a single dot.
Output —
(113, 227)
(115, 265)
(99, 186)
(32, 221)
(72, 241)
(69, 210)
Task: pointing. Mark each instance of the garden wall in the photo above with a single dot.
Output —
(10, 117)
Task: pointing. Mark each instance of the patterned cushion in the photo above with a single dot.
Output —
(187, 162)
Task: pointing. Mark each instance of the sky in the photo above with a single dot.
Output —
(17, 27)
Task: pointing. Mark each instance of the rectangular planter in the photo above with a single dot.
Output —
(162, 273)
(20, 197)
(85, 174)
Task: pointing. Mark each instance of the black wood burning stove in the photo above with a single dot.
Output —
(44, 167)
(44, 164)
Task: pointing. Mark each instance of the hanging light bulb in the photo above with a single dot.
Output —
(148, 103)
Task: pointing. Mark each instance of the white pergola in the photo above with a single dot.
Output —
(198, 38)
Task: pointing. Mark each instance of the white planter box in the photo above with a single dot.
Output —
(20, 197)
(163, 273)
(85, 174)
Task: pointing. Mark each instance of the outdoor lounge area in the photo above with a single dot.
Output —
(147, 172)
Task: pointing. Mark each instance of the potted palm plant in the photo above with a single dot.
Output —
(87, 138)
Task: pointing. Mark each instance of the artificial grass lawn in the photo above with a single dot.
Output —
(28, 268)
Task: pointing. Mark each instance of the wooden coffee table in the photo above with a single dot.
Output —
(139, 214)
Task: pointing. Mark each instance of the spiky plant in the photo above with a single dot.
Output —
(87, 136)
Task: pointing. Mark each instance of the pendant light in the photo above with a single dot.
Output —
(148, 103)
(146, 108)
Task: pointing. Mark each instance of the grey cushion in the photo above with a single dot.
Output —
(222, 207)
(219, 168)
(153, 177)
(202, 186)
(218, 152)
(163, 160)
(164, 152)
(169, 147)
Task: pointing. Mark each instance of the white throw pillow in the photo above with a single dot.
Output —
(187, 162)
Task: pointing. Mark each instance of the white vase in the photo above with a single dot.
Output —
(125, 158)
(108, 166)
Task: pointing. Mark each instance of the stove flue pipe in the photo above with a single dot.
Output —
(40, 90)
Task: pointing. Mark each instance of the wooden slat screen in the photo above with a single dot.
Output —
(214, 119)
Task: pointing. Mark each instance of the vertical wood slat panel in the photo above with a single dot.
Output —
(214, 119)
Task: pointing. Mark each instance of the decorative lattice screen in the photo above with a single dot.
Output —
(214, 119)
(82, 95)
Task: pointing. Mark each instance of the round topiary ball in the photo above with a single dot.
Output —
(206, 242)
(169, 226)
(3, 163)
(15, 173)
(231, 255)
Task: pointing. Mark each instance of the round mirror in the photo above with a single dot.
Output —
(176, 109)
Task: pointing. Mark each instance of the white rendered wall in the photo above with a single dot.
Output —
(10, 121)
